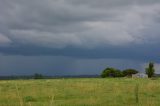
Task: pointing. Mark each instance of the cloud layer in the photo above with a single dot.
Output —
(45, 35)
(84, 24)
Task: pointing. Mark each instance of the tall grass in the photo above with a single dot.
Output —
(52, 100)
(18, 94)
(136, 93)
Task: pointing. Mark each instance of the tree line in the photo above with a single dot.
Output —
(113, 72)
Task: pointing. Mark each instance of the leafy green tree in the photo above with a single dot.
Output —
(129, 72)
(150, 70)
(111, 72)
(118, 73)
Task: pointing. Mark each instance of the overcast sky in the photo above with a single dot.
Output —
(73, 37)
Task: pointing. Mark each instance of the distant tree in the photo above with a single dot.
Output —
(150, 70)
(38, 76)
(111, 72)
(118, 73)
(129, 72)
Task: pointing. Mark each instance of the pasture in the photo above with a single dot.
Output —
(80, 92)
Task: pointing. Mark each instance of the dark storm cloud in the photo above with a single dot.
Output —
(80, 28)
(134, 52)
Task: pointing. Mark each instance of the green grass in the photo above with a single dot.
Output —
(80, 92)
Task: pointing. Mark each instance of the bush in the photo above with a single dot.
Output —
(29, 99)
(38, 76)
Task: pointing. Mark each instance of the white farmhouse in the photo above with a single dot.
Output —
(139, 75)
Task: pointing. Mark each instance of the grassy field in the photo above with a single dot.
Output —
(80, 92)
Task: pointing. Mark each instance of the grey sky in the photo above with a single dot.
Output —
(75, 30)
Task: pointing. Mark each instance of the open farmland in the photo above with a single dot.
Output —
(80, 92)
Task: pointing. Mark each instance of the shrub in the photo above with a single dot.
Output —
(29, 99)
(38, 76)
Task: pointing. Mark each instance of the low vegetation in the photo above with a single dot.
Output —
(80, 92)
(38, 76)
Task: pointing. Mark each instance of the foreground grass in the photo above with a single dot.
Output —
(80, 92)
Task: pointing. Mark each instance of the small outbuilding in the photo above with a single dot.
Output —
(140, 75)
